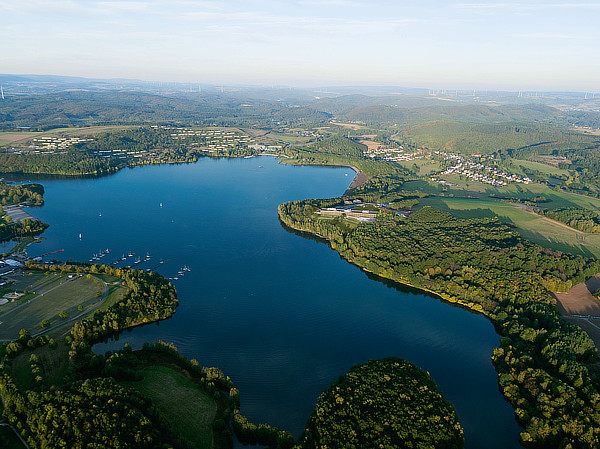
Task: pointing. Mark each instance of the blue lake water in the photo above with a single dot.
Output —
(282, 315)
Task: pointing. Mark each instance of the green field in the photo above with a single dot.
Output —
(285, 138)
(541, 230)
(548, 169)
(54, 363)
(46, 296)
(426, 166)
(189, 411)
(467, 187)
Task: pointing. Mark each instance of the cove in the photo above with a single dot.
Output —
(282, 315)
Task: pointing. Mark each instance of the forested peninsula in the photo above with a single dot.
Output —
(27, 194)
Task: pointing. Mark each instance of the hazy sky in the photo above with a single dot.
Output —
(531, 45)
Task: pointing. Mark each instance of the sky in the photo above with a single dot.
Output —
(528, 45)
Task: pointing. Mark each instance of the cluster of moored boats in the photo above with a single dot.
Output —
(181, 273)
(138, 260)
(131, 254)
(100, 255)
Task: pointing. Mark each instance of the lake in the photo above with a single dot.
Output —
(282, 315)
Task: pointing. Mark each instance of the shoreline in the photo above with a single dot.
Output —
(440, 296)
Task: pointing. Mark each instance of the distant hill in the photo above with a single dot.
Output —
(468, 137)
(75, 108)
(389, 114)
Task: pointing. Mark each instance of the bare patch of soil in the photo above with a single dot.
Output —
(579, 300)
(370, 144)
(348, 125)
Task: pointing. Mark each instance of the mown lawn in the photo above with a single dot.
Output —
(47, 296)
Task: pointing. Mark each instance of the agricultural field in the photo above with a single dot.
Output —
(551, 170)
(425, 166)
(539, 229)
(189, 411)
(34, 298)
(554, 198)
(8, 138)
(281, 138)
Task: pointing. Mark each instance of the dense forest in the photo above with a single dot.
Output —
(95, 413)
(31, 194)
(25, 228)
(388, 404)
(545, 364)
(81, 108)
(73, 162)
(517, 138)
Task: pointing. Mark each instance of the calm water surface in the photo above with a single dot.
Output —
(282, 315)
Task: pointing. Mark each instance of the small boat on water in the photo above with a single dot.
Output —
(137, 261)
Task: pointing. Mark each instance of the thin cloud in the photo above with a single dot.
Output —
(525, 6)
(254, 20)
(559, 36)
